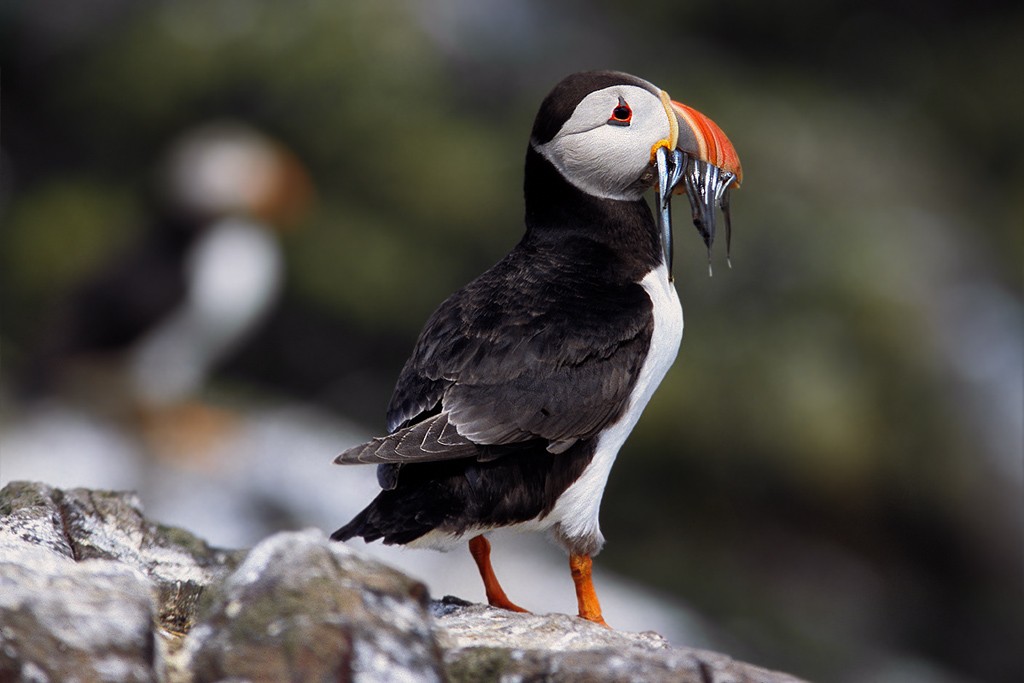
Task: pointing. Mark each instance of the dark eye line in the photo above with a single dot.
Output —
(621, 115)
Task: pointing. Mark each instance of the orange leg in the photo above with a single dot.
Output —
(586, 596)
(480, 549)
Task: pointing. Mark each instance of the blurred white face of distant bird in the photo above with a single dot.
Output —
(222, 169)
(606, 145)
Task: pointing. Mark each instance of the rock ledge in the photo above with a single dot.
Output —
(92, 590)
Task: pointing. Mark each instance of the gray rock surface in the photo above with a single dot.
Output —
(66, 621)
(92, 590)
(82, 524)
(302, 608)
(479, 642)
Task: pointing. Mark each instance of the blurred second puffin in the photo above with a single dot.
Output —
(144, 332)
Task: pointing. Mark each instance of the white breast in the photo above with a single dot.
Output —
(577, 509)
(234, 274)
(576, 512)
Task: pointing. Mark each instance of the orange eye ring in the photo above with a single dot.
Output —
(621, 115)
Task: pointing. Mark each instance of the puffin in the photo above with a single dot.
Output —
(524, 384)
(154, 321)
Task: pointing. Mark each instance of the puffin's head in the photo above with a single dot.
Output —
(227, 168)
(613, 136)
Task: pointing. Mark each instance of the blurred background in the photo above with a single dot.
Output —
(828, 482)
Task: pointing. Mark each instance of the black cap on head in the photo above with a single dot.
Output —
(560, 103)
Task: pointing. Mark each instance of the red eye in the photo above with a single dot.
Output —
(621, 115)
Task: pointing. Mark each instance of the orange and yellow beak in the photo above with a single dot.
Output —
(701, 137)
(697, 159)
(285, 192)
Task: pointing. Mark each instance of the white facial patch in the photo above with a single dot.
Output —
(222, 168)
(606, 160)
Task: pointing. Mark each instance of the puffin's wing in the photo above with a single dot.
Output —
(434, 438)
(529, 363)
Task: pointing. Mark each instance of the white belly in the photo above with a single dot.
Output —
(577, 509)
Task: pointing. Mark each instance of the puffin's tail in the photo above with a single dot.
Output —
(357, 527)
(380, 521)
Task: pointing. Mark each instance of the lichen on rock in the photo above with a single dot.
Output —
(83, 524)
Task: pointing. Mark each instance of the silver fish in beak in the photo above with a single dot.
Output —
(702, 163)
(671, 166)
(707, 186)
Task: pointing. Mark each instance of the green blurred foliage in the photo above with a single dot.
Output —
(820, 473)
